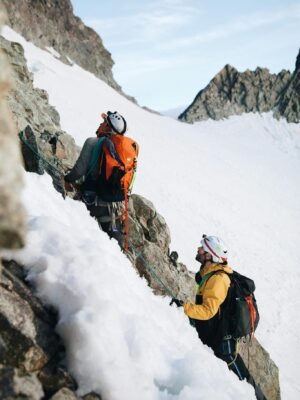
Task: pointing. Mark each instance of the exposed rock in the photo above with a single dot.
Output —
(35, 117)
(92, 396)
(64, 394)
(262, 368)
(12, 217)
(26, 329)
(232, 92)
(297, 66)
(149, 251)
(15, 384)
(28, 342)
(52, 24)
(288, 104)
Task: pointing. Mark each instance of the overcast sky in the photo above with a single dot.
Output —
(165, 51)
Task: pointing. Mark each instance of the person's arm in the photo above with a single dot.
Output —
(81, 166)
(214, 294)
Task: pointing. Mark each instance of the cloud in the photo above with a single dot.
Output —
(145, 24)
(237, 25)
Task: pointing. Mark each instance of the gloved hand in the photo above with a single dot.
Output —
(179, 303)
(198, 278)
(68, 187)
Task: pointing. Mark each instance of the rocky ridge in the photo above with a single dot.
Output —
(232, 92)
(51, 24)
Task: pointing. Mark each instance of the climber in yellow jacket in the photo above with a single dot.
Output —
(205, 314)
(211, 301)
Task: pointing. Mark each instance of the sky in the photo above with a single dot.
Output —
(165, 51)
(225, 184)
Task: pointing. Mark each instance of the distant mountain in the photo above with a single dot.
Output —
(232, 92)
(51, 24)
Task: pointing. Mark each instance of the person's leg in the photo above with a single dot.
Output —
(227, 351)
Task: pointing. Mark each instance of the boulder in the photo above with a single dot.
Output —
(16, 384)
(28, 343)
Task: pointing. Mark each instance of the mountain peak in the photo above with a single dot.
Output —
(231, 92)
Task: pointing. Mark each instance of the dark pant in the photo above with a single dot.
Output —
(105, 214)
(227, 352)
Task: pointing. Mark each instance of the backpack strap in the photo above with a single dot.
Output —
(112, 149)
(95, 155)
(207, 276)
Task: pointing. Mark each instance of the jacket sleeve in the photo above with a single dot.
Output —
(214, 294)
(81, 166)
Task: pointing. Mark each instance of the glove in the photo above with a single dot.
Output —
(68, 187)
(198, 278)
(179, 303)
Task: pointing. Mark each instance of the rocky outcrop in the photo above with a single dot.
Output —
(150, 253)
(32, 113)
(232, 92)
(261, 367)
(289, 102)
(31, 353)
(51, 24)
(12, 217)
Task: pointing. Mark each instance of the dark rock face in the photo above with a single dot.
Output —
(297, 62)
(289, 102)
(51, 23)
(31, 353)
(232, 92)
(16, 384)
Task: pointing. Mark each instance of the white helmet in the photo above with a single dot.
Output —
(116, 122)
(216, 247)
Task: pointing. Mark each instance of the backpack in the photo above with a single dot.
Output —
(117, 172)
(239, 313)
(118, 166)
(241, 309)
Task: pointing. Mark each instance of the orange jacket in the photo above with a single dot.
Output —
(213, 292)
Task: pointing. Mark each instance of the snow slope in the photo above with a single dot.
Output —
(237, 178)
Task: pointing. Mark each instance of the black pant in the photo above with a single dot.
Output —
(227, 352)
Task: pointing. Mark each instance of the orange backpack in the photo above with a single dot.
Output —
(117, 170)
(120, 165)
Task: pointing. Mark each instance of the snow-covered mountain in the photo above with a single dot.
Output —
(238, 179)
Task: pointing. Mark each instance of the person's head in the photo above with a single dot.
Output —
(113, 123)
(212, 249)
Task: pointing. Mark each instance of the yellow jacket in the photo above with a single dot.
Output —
(213, 292)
